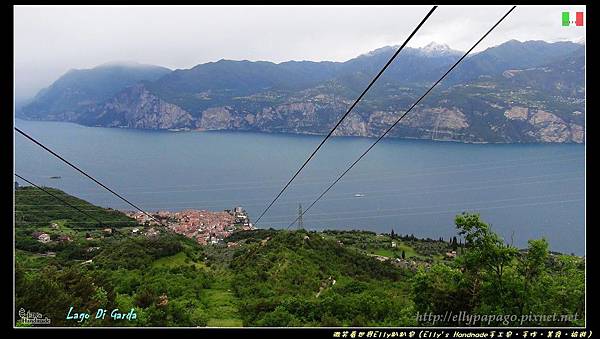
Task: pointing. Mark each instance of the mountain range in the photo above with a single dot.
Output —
(531, 91)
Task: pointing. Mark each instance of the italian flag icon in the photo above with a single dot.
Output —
(572, 18)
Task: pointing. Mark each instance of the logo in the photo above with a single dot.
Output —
(35, 318)
(572, 18)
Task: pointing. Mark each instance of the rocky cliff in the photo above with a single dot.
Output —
(138, 108)
(514, 92)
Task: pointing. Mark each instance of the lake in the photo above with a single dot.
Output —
(524, 191)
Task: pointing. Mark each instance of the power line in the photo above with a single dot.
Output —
(566, 156)
(415, 191)
(100, 222)
(300, 221)
(346, 114)
(403, 115)
(74, 207)
(84, 173)
(59, 199)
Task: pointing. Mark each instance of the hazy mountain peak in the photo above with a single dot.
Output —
(433, 48)
(133, 65)
(513, 41)
(379, 51)
(126, 64)
(129, 63)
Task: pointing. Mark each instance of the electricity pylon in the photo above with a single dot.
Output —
(300, 221)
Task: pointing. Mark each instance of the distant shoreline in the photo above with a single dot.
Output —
(203, 130)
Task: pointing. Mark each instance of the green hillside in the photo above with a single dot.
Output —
(270, 277)
(36, 208)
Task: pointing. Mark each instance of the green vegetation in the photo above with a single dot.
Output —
(301, 279)
(35, 208)
(222, 308)
(283, 278)
(391, 245)
(494, 278)
(176, 260)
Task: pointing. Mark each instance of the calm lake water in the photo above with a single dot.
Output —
(415, 187)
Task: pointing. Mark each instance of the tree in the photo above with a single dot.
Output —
(485, 252)
(439, 290)
(145, 297)
(279, 317)
(532, 266)
(359, 321)
(393, 235)
(329, 321)
(403, 255)
(198, 317)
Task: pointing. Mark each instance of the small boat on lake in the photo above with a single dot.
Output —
(55, 177)
(358, 195)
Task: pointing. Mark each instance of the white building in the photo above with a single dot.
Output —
(44, 238)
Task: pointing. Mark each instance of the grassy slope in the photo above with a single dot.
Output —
(35, 208)
(298, 269)
(222, 303)
(179, 259)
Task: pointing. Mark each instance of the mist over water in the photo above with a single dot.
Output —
(416, 187)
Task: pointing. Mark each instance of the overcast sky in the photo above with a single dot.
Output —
(50, 40)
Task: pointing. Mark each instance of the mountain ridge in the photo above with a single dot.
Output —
(476, 103)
